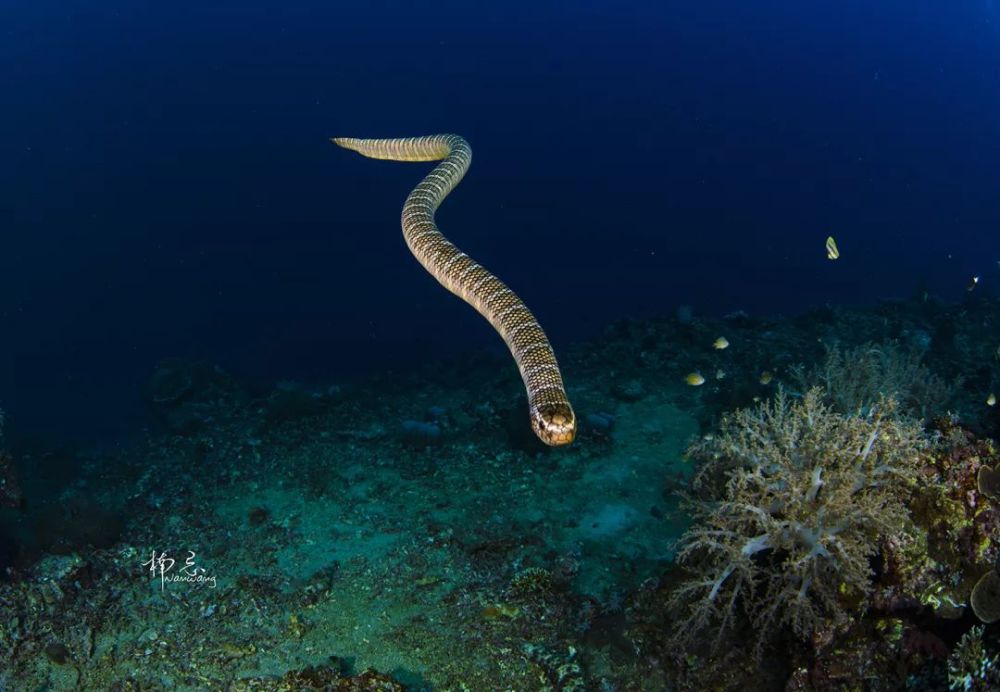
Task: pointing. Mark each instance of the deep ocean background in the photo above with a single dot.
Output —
(167, 187)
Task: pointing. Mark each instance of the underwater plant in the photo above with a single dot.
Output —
(802, 497)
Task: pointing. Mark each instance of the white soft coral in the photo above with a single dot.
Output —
(802, 496)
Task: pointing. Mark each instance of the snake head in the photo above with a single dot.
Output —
(555, 424)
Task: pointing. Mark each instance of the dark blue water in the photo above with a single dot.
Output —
(167, 187)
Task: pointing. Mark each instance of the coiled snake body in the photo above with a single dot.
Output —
(552, 417)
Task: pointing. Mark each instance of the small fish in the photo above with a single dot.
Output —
(991, 400)
(766, 377)
(695, 379)
(832, 252)
(972, 283)
(720, 343)
(720, 374)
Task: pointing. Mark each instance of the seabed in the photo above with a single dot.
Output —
(408, 532)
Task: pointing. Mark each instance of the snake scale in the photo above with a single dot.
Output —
(552, 416)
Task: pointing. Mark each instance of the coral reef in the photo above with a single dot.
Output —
(557, 672)
(970, 667)
(397, 524)
(961, 524)
(855, 378)
(807, 497)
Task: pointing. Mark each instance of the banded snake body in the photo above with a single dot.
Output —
(552, 417)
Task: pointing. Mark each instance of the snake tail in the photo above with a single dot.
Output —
(552, 417)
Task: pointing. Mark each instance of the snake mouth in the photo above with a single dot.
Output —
(555, 424)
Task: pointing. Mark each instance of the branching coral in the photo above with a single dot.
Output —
(805, 497)
(971, 666)
(854, 379)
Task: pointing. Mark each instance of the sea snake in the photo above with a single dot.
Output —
(552, 417)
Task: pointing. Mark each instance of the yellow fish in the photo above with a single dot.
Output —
(991, 400)
(720, 343)
(831, 248)
(695, 379)
(766, 377)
